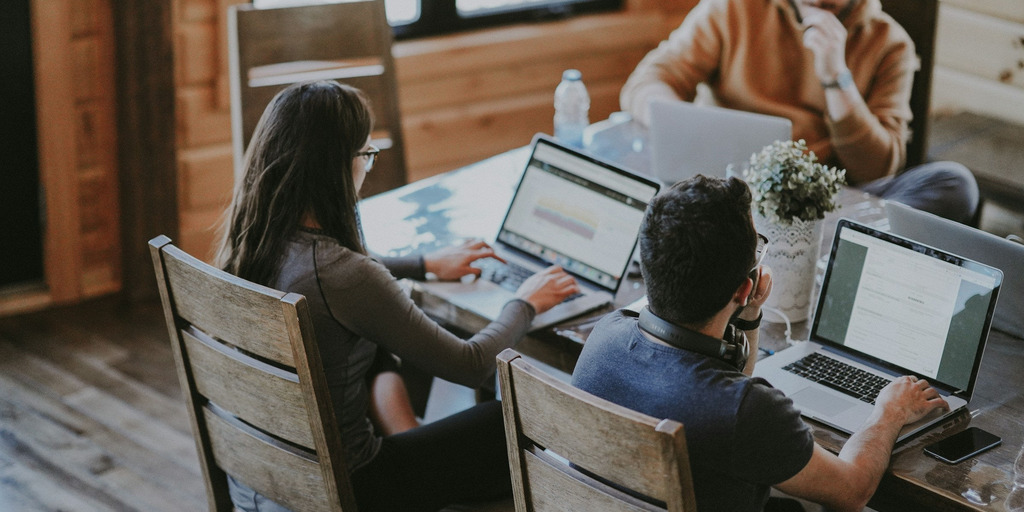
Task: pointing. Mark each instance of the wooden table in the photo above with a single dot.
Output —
(471, 202)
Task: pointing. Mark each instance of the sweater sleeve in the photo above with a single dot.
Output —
(364, 297)
(405, 267)
(871, 142)
(672, 71)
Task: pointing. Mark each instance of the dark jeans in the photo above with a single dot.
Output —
(946, 189)
(459, 459)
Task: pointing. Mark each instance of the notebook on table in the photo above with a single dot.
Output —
(687, 139)
(569, 209)
(888, 307)
(972, 243)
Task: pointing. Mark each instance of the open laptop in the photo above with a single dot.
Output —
(973, 243)
(687, 139)
(888, 307)
(569, 209)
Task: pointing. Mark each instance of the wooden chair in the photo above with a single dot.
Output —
(920, 19)
(254, 385)
(550, 424)
(350, 42)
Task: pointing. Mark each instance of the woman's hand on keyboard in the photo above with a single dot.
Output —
(451, 263)
(547, 288)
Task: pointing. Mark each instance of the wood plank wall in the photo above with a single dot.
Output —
(463, 97)
(76, 111)
(980, 58)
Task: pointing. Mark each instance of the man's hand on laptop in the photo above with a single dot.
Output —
(545, 289)
(452, 263)
(908, 399)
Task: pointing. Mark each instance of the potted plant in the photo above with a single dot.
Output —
(792, 192)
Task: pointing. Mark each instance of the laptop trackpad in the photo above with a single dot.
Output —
(821, 402)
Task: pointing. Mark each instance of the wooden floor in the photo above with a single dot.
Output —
(91, 417)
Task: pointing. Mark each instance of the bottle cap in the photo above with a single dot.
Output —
(572, 75)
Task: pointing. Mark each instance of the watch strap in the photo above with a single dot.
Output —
(842, 81)
(748, 325)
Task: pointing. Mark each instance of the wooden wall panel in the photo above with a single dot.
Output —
(201, 180)
(490, 91)
(953, 91)
(443, 140)
(55, 97)
(74, 53)
(980, 58)
(981, 45)
(203, 120)
(1012, 10)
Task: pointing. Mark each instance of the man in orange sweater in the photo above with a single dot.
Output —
(841, 70)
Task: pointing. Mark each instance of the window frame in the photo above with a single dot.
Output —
(442, 16)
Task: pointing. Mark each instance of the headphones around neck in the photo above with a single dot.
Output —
(733, 349)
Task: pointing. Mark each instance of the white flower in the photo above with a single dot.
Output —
(788, 183)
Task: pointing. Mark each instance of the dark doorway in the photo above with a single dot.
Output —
(21, 231)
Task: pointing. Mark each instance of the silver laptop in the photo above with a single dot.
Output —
(888, 307)
(687, 139)
(569, 209)
(972, 243)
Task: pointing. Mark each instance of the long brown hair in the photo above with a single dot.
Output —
(298, 163)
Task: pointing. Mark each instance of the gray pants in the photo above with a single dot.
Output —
(946, 189)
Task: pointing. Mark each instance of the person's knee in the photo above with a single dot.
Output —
(946, 188)
(961, 180)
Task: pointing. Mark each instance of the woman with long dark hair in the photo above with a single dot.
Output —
(294, 226)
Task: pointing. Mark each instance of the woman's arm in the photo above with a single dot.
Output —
(364, 297)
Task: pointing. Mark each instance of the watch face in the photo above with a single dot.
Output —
(845, 79)
(842, 81)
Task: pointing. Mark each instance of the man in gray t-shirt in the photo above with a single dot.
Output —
(684, 357)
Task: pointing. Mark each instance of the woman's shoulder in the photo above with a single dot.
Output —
(335, 262)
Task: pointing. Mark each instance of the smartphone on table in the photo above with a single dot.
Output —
(963, 445)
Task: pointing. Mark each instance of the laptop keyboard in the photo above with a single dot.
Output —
(508, 275)
(840, 376)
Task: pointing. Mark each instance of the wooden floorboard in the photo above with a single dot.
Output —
(91, 415)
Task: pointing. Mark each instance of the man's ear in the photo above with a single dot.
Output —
(742, 294)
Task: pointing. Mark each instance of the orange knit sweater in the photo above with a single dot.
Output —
(751, 56)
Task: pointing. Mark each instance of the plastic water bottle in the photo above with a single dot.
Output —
(572, 106)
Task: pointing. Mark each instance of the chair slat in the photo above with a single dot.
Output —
(283, 474)
(246, 315)
(554, 489)
(545, 402)
(329, 33)
(267, 397)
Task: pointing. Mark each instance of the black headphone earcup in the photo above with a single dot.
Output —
(740, 350)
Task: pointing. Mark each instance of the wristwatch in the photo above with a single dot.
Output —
(748, 325)
(842, 81)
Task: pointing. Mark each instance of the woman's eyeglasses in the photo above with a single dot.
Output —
(371, 156)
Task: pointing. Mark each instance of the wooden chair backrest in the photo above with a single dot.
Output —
(254, 385)
(920, 19)
(350, 42)
(550, 424)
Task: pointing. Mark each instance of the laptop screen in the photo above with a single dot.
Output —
(577, 212)
(907, 306)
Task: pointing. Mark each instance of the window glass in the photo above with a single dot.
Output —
(475, 7)
(402, 12)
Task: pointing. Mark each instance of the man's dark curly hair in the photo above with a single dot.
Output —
(697, 245)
